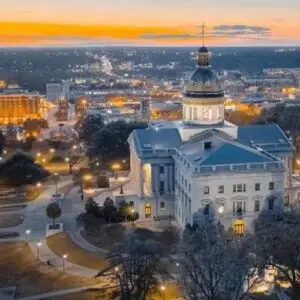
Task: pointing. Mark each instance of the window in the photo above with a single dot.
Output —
(162, 187)
(271, 203)
(257, 186)
(221, 189)
(271, 185)
(238, 188)
(257, 205)
(206, 190)
(190, 188)
(162, 205)
(206, 210)
(185, 183)
(238, 207)
(161, 169)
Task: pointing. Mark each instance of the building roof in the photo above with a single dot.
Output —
(270, 137)
(156, 139)
(233, 153)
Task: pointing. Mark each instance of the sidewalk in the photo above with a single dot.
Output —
(62, 292)
(44, 254)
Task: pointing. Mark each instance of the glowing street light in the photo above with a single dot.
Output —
(163, 289)
(132, 215)
(67, 159)
(64, 257)
(27, 232)
(38, 154)
(74, 147)
(116, 269)
(221, 209)
(39, 245)
(52, 150)
(38, 184)
(115, 167)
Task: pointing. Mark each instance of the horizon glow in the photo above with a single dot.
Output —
(149, 22)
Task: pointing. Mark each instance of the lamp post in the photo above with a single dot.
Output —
(39, 245)
(64, 257)
(121, 186)
(27, 232)
(163, 289)
(56, 182)
(132, 212)
(115, 167)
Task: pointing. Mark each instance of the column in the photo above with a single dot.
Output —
(141, 171)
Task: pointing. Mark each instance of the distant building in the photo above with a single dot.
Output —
(167, 110)
(16, 108)
(54, 92)
(144, 109)
(58, 91)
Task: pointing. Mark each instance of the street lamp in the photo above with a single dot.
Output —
(38, 184)
(132, 212)
(67, 159)
(39, 245)
(163, 289)
(38, 154)
(27, 232)
(221, 209)
(52, 150)
(74, 147)
(115, 167)
(64, 257)
(56, 182)
(121, 186)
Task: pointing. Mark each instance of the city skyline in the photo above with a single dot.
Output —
(239, 23)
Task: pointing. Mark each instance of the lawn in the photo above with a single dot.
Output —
(61, 243)
(12, 220)
(106, 236)
(18, 267)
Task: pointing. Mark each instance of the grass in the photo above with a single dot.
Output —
(7, 221)
(19, 267)
(106, 236)
(61, 243)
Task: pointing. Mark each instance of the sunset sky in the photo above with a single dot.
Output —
(149, 22)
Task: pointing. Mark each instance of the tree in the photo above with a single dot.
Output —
(91, 207)
(53, 211)
(135, 264)
(214, 267)
(90, 125)
(75, 157)
(20, 169)
(108, 209)
(109, 143)
(278, 236)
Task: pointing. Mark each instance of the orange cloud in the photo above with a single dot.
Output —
(34, 34)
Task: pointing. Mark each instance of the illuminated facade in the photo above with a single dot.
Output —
(16, 108)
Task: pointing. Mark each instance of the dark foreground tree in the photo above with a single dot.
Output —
(53, 211)
(20, 169)
(279, 238)
(215, 267)
(135, 264)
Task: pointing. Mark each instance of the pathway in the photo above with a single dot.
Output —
(63, 292)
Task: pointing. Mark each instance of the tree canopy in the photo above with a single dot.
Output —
(53, 211)
(20, 169)
(110, 141)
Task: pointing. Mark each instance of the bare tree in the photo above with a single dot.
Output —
(279, 240)
(214, 267)
(135, 264)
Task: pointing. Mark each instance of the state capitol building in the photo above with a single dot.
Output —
(205, 168)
